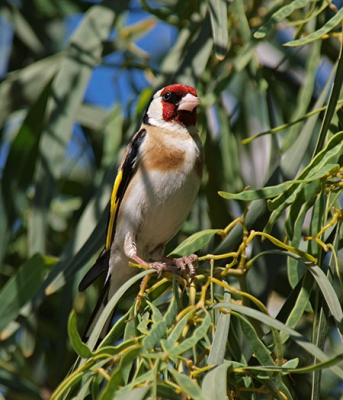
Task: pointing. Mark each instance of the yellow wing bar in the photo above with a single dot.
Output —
(113, 209)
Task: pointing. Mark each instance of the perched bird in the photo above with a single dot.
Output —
(156, 185)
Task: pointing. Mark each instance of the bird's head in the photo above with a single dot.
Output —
(175, 104)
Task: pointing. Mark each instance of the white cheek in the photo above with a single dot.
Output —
(155, 112)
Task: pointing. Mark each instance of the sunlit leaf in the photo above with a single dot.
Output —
(218, 12)
(328, 293)
(188, 386)
(218, 348)
(279, 16)
(328, 27)
(159, 329)
(195, 242)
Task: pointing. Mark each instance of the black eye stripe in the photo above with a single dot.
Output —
(170, 97)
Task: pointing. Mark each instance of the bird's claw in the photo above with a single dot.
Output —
(176, 265)
(162, 266)
(187, 261)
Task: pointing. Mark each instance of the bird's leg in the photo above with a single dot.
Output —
(131, 252)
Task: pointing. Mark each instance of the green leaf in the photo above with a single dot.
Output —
(188, 386)
(18, 176)
(293, 157)
(159, 329)
(192, 341)
(218, 13)
(188, 66)
(116, 380)
(89, 236)
(81, 348)
(84, 390)
(303, 101)
(157, 315)
(332, 103)
(296, 310)
(171, 342)
(218, 348)
(289, 367)
(262, 354)
(273, 191)
(139, 380)
(329, 155)
(27, 84)
(135, 394)
(293, 363)
(319, 33)
(279, 16)
(302, 203)
(195, 242)
(328, 292)
(67, 384)
(264, 193)
(238, 9)
(116, 331)
(165, 392)
(258, 348)
(21, 288)
(214, 384)
(24, 31)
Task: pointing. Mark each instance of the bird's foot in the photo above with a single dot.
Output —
(176, 265)
(190, 261)
(160, 267)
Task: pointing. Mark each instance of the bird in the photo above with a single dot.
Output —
(156, 185)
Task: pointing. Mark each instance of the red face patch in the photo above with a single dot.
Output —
(169, 108)
(179, 89)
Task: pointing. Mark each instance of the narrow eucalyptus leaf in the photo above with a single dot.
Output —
(81, 348)
(214, 384)
(188, 386)
(218, 348)
(197, 335)
(160, 328)
(218, 13)
(195, 242)
(279, 16)
(328, 292)
(318, 34)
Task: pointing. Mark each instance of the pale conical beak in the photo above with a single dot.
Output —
(188, 102)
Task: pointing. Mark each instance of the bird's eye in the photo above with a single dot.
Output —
(166, 96)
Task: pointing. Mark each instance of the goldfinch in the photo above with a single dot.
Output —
(156, 185)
